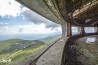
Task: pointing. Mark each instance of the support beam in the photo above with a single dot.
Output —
(64, 30)
(69, 30)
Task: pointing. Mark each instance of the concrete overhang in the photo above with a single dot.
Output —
(46, 8)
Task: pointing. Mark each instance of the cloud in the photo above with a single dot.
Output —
(28, 29)
(11, 12)
(38, 19)
(3, 23)
(9, 8)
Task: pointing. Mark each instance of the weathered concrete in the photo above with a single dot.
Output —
(79, 30)
(96, 29)
(54, 55)
(64, 30)
(45, 8)
(89, 51)
(69, 30)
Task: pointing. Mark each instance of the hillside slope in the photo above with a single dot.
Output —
(50, 39)
(15, 50)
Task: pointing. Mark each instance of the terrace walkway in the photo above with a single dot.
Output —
(50, 55)
(53, 55)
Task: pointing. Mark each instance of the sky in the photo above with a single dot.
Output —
(17, 19)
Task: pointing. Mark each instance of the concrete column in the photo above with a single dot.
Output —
(79, 30)
(82, 32)
(95, 29)
(69, 30)
(64, 29)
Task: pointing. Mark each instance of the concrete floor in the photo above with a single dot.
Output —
(88, 50)
(54, 55)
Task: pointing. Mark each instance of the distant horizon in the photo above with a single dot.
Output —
(26, 22)
(25, 36)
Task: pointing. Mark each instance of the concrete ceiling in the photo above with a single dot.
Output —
(76, 12)
(50, 12)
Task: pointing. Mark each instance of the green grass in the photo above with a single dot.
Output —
(18, 50)
(3, 63)
(51, 39)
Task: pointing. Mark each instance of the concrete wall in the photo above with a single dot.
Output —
(64, 30)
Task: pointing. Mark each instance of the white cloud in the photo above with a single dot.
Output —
(10, 8)
(3, 23)
(28, 29)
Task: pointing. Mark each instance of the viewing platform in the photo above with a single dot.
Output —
(53, 56)
(79, 14)
(49, 55)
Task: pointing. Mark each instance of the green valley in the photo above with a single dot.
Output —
(51, 39)
(13, 51)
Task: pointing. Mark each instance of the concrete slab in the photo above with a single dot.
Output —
(54, 55)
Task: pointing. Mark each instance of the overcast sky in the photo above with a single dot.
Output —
(17, 19)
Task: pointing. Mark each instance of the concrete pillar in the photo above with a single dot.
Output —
(64, 29)
(79, 30)
(82, 32)
(69, 30)
(95, 29)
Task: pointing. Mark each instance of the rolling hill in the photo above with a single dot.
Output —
(14, 50)
(50, 39)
